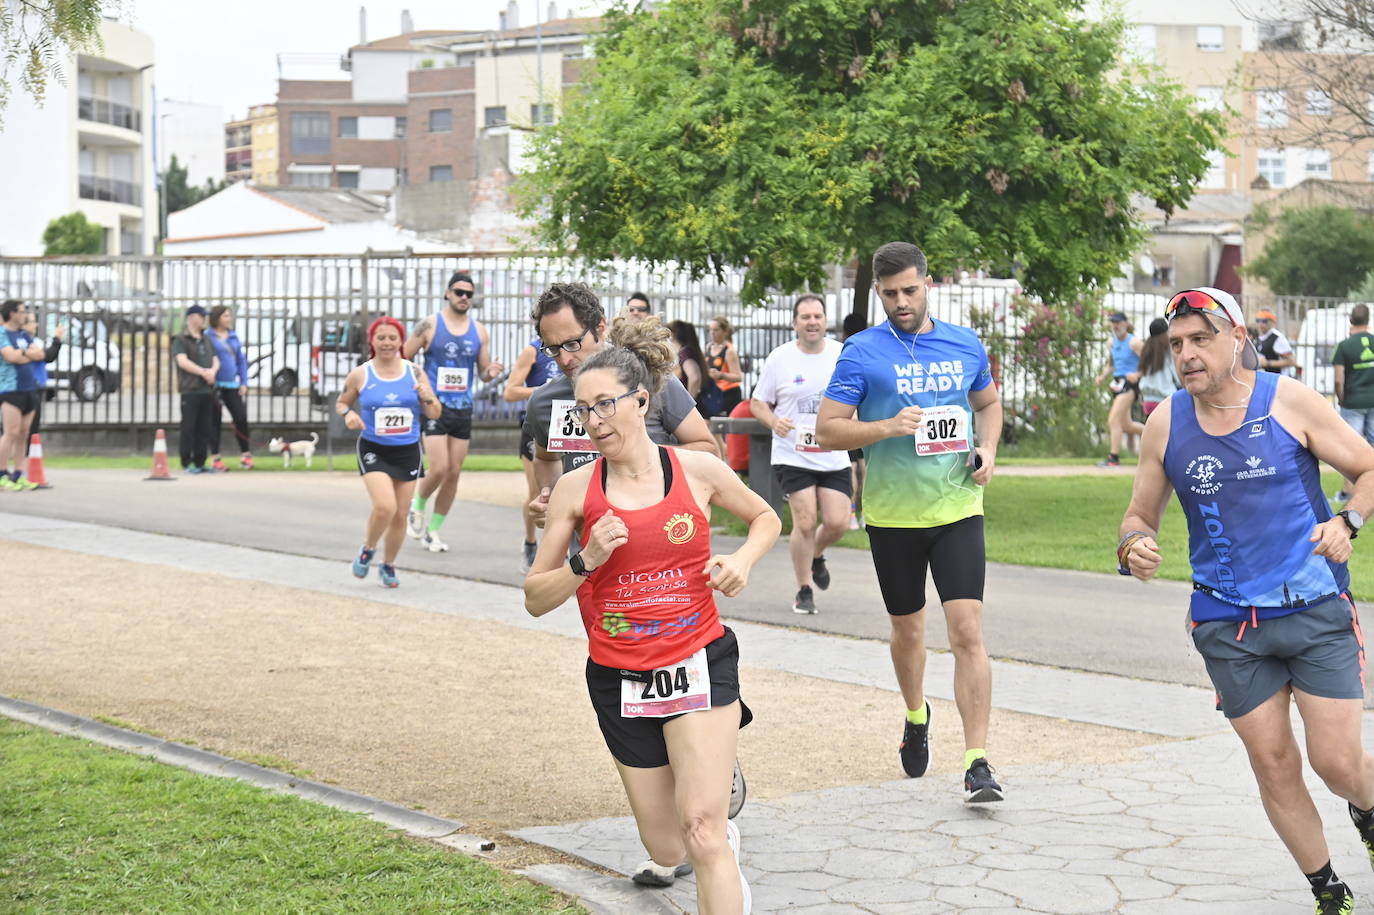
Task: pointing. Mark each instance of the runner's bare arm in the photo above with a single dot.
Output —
(1306, 414)
(838, 430)
(516, 389)
(987, 416)
(550, 581)
(487, 367)
(763, 412)
(419, 338)
(729, 572)
(1149, 497)
(548, 467)
(693, 434)
(353, 384)
(429, 404)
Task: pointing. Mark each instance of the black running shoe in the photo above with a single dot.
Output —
(979, 785)
(1365, 824)
(915, 748)
(651, 873)
(819, 573)
(1335, 900)
(804, 602)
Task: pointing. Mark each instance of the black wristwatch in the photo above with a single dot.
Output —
(1353, 520)
(575, 563)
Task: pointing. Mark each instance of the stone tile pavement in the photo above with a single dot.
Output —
(1177, 830)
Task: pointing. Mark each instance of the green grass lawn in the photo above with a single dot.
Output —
(88, 829)
(1072, 522)
(343, 460)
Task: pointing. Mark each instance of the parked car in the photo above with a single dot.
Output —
(89, 363)
(337, 346)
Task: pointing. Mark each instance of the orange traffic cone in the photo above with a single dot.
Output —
(35, 472)
(160, 471)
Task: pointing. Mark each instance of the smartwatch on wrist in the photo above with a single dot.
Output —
(1353, 520)
(576, 564)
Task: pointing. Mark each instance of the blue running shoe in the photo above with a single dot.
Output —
(387, 573)
(362, 562)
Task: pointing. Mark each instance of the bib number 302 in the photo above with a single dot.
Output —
(672, 690)
(943, 430)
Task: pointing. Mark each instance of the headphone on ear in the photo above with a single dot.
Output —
(1237, 347)
(642, 400)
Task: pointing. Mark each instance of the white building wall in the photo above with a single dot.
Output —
(344, 238)
(381, 75)
(39, 153)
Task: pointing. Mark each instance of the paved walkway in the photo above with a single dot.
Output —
(1176, 830)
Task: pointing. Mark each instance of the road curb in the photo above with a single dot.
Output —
(598, 894)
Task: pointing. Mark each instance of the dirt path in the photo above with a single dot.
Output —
(484, 723)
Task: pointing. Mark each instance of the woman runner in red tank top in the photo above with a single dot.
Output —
(663, 670)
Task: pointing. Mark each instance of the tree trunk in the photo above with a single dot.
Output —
(863, 285)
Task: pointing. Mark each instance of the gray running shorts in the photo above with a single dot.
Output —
(1319, 650)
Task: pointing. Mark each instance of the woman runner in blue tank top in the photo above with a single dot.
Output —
(531, 370)
(384, 400)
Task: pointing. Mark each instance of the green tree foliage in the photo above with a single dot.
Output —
(73, 234)
(785, 135)
(1364, 292)
(179, 192)
(38, 36)
(1319, 251)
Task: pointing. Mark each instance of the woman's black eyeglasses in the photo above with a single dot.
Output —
(603, 408)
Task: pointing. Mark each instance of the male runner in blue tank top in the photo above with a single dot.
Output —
(1271, 610)
(457, 352)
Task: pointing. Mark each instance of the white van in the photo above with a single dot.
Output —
(88, 364)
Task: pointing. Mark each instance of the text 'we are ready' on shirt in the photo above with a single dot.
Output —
(882, 371)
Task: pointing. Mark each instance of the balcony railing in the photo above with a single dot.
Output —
(105, 111)
(95, 187)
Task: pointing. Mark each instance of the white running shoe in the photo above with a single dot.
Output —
(732, 836)
(416, 523)
(432, 542)
(651, 873)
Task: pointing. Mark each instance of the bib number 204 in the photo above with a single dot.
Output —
(664, 684)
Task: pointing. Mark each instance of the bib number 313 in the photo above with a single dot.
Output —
(943, 430)
(672, 690)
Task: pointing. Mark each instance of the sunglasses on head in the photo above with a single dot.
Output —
(1191, 301)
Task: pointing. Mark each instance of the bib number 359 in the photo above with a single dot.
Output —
(671, 690)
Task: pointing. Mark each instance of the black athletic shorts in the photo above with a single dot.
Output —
(25, 401)
(792, 479)
(856, 455)
(638, 742)
(1132, 386)
(455, 422)
(954, 552)
(526, 440)
(400, 462)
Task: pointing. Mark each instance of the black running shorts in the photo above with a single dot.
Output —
(792, 479)
(454, 422)
(638, 742)
(400, 462)
(954, 553)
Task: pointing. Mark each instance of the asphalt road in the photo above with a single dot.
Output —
(1075, 620)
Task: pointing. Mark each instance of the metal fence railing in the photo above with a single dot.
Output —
(301, 319)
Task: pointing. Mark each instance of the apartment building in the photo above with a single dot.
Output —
(89, 147)
(416, 105)
(250, 147)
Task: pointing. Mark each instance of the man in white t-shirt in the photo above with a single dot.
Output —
(786, 399)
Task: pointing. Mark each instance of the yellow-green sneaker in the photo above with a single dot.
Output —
(25, 484)
(1335, 900)
(8, 485)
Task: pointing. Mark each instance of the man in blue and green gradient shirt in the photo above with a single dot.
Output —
(919, 387)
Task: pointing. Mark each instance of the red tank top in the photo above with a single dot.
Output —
(650, 605)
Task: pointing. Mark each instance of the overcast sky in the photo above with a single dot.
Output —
(225, 54)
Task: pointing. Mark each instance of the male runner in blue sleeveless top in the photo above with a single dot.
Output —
(457, 352)
(1271, 610)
